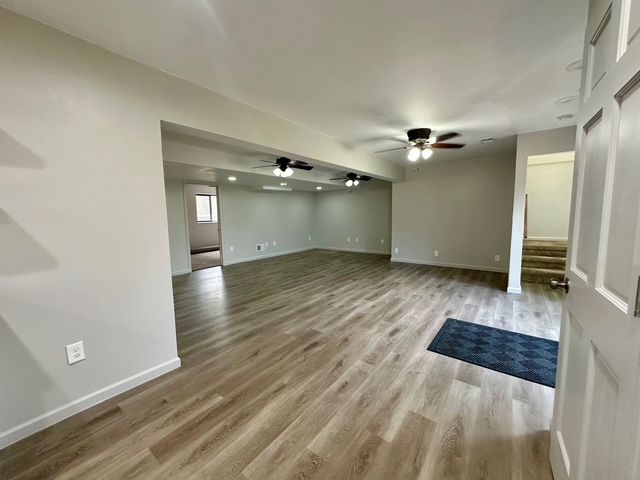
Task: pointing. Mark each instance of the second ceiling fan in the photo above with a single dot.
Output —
(283, 166)
(420, 143)
(353, 179)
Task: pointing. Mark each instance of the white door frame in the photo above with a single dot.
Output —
(186, 218)
(535, 143)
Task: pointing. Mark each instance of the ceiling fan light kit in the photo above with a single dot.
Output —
(282, 172)
(414, 154)
(284, 166)
(352, 179)
(421, 143)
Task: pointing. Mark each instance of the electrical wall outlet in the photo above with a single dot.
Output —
(274, 243)
(348, 239)
(261, 247)
(232, 248)
(75, 353)
(382, 241)
(436, 253)
(496, 258)
(395, 250)
(357, 240)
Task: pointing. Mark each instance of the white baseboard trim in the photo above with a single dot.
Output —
(452, 265)
(180, 272)
(552, 239)
(354, 250)
(266, 255)
(56, 415)
(517, 290)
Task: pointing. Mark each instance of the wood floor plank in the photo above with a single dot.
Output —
(405, 456)
(269, 464)
(332, 383)
(453, 442)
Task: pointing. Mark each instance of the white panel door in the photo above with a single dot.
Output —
(596, 421)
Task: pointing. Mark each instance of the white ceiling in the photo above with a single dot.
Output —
(361, 71)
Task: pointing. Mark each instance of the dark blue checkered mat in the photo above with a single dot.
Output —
(516, 354)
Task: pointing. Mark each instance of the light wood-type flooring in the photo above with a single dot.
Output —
(314, 366)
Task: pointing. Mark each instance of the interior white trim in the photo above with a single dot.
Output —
(58, 414)
(565, 455)
(453, 265)
(180, 272)
(354, 250)
(552, 239)
(266, 255)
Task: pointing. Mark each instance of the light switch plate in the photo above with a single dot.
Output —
(75, 353)
(395, 250)
(436, 253)
(496, 258)
(231, 248)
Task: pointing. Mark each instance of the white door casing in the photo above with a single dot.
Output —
(596, 420)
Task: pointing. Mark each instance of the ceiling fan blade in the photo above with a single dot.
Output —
(267, 161)
(447, 145)
(298, 162)
(338, 178)
(364, 178)
(301, 167)
(265, 166)
(391, 149)
(446, 136)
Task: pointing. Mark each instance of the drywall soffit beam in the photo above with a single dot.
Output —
(349, 160)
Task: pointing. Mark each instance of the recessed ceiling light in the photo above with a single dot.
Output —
(565, 116)
(232, 178)
(488, 140)
(563, 100)
(318, 187)
(574, 66)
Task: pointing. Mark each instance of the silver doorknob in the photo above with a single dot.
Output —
(563, 284)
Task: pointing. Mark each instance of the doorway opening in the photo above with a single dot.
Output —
(201, 202)
(546, 218)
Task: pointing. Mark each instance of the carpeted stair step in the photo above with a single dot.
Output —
(542, 261)
(544, 248)
(540, 275)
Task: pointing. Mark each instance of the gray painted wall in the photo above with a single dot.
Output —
(200, 234)
(359, 221)
(549, 200)
(462, 209)
(249, 217)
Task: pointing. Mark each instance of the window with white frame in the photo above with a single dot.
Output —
(206, 208)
